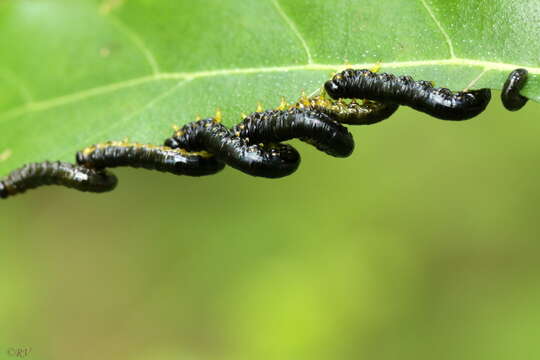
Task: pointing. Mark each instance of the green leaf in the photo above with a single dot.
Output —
(77, 72)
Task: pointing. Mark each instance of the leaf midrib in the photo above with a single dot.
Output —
(36, 106)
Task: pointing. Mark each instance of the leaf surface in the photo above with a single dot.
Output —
(77, 72)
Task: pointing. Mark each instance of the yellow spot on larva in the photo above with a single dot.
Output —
(198, 117)
(260, 108)
(219, 116)
(283, 104)
(243, 116)
(376, 67)
(89, 150)
(176, 128)
(304, 100)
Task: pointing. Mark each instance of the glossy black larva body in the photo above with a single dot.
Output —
(420, 95)
(309, 125)
(254, 145)
(264, 160)
(510, 96)
(351, 113)
(161, 158)
(34, 175)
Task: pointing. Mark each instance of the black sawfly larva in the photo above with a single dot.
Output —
(266, 160)
(420, 95)
(34, 175)
(161, 158)
(510, 96)
(309, 125)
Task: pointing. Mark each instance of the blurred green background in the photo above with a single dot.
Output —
(422, 245)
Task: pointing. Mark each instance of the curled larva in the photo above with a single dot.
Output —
(351, 113)
(266, 160)
(309, 125)
(34, 175)
(510, 96)
(161, 158)
(420, 95)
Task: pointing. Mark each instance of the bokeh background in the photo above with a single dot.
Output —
(424, 244)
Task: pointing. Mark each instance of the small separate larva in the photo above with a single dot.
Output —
(510, 96)
(253, 146)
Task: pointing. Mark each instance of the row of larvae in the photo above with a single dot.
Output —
(253, 146)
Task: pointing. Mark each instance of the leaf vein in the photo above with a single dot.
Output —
(105, 89)
(143, 108)
(476, 79)
(137, 40)
(294, 29)
(11, 77)
(441, 28)
(96, 137)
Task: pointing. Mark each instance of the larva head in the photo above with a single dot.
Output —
(172, 143)
(459, 106)
(332, 88)
(478, 99)
(101, 181)
(197, 164)
(278, 160)
(343, 84)
(335, 86)
(3, 191)
(80, 158)
(326, 134)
